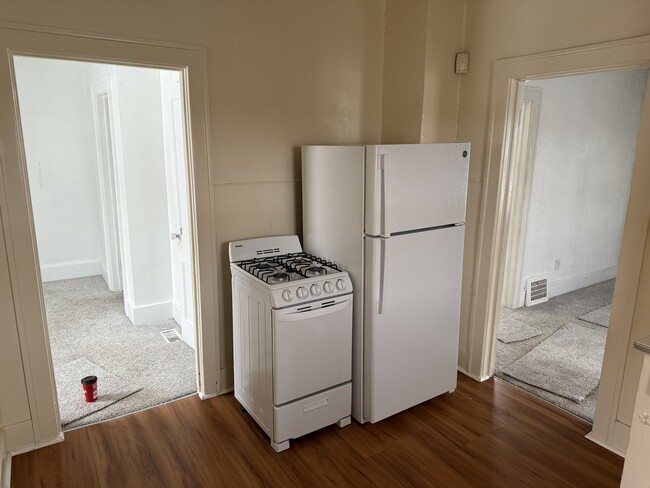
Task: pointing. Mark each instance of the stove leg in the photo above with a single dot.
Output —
(344, 421)
(279, 447)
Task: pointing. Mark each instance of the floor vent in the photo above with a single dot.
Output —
(170, 335)
(536, 290)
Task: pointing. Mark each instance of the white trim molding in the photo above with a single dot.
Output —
(578, 281)
(16, 213)
(148, 313)
(71, 269)
(507, 83)
(5, 462)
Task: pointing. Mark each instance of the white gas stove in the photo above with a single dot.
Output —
(292, 331)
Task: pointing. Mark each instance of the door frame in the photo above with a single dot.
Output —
(109, 191)
(15, 204)
(519, 191)
(507, 80)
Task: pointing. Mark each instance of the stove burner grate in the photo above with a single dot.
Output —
(278, 269)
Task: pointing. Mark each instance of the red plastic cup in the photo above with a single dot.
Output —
(89, 384)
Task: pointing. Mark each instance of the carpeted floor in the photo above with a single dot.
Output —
(547, 318)
(85, 319)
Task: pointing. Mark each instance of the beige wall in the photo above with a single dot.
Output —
(507, 28)
(420, 87)
(497, 29)
(292, 72)
(280, 74)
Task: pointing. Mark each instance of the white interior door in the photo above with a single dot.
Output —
(177, 198)
(412, 317)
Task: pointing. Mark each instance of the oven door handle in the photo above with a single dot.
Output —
(311, 314)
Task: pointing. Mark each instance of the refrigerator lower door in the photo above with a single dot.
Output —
(412, 317)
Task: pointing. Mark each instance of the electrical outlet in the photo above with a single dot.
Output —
(557, 264)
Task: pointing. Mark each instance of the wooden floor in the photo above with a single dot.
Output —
(483, 434)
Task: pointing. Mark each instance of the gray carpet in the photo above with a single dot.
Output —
(512, 329)
(547, 318)
(85, 319)
(72, 403)
(600, 316)
(567, 363)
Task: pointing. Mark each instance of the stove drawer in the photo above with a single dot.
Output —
(312, 413)
(312, 349)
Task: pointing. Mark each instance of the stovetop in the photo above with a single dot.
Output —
(291, 275)
(289, 267)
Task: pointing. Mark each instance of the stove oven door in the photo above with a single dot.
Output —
(312, 348)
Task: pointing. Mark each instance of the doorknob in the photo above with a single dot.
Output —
(173, 236)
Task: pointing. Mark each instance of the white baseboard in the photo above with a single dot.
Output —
(602, 444)
(621, 436)
(462, 359)
(71, 269)
(5, 473)
(575, 282)
(128, 309)
(146, 314)
(5, 462)
(34, 446)
(152, 312)
(227, 383)
(19, 435)
(480, 379)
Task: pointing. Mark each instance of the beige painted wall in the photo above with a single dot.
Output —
(280, 74)
(505, 28)
(420, 87)
(497, 29)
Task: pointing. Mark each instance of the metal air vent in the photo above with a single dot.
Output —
(536, 290)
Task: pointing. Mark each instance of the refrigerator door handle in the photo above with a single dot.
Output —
(383, 278)
(385, 190)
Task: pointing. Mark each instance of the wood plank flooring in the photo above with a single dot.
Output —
(482, 435)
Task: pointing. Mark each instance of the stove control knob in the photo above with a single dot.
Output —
(302, 292)
(287, 296)
(340, 285)
(328, 287)
(315, 290)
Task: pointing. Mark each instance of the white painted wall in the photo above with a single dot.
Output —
(56, 110)
(581, 177)
(59, 145)
(140, 114)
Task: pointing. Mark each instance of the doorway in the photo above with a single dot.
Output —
(106, 163)
(575, 149)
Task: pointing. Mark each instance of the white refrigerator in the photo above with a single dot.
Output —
(393, 216)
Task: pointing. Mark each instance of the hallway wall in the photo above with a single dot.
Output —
(581, 174)
(60, 148)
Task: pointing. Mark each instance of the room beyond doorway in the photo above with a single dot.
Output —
(575, 143)
(106, 162)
